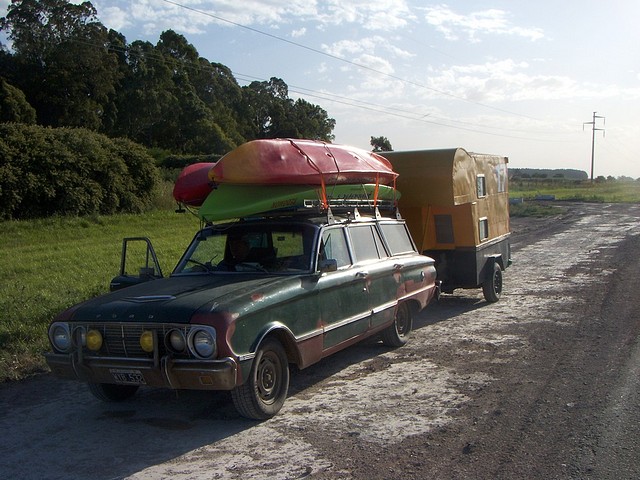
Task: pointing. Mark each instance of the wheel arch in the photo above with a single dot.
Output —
(492, 260)
(286, 338)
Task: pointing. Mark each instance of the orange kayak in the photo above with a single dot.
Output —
(301, 162)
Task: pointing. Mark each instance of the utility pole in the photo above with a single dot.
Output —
(593, 137)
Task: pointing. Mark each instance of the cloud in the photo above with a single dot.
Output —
(115, 18)
(377, 15)
(367, 45)
(301, 32)
(488, 22)
(508, 80)
(192, 16)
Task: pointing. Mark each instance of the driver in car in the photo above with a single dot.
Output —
(238, 250)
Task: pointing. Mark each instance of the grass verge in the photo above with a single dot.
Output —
(614, 191)
(50, 264)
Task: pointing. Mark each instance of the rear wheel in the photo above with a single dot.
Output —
(492, 286)
(264, 392)
(397, 334)
(108, 392)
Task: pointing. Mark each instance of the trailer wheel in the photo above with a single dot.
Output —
(492, 286)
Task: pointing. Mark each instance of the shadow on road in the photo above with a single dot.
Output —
(70, 431)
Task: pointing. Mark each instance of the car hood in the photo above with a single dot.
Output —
(171, 300)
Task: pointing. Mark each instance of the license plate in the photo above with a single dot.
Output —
(130, 377)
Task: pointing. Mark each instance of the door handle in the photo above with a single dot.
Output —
(362, 274)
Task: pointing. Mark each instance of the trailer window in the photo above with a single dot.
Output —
(481, 183)
(444, 228)
(483, 229)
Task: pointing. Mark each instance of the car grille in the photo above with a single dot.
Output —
(123, 339)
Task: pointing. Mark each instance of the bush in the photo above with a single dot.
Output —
(181, 161)
(45, 171)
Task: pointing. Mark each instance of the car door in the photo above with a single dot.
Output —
(374, 265)
(342, 293)
(414, 273)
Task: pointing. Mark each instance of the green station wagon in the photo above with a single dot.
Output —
(247, 299)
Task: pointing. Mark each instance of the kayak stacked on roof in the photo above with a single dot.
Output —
(283, 174)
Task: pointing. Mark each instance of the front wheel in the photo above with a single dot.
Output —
(108, 392)
(492, 286)
(397, 334)
(262, 395)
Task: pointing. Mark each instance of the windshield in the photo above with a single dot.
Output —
(266, 248)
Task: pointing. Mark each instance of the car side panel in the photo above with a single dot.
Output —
(344, 306)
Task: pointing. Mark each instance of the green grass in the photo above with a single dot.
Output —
(534, 209)
(48, 265)
(614, 191)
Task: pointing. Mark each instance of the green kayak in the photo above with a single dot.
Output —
(229, 200)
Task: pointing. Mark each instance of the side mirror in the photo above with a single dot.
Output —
(328, 265)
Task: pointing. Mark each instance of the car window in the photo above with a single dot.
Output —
(366, 243)
(210, 249)
(334, 246)
(397, 238)
(260, 248)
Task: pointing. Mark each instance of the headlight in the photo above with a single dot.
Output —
(176, 341)
(60, 337)
(202, 342)
(79, 337)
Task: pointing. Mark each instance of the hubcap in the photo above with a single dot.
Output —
(267, 377)
(497, 283)
(401, 323)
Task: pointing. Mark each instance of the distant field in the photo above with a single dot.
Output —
(48, 265)
(609, 191)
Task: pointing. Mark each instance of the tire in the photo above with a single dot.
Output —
(492, 286)
(108, 392)
(397, 334)
(264, 392)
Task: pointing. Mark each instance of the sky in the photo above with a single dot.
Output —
(516, 78)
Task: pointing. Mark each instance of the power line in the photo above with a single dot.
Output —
(402, 113)
(427, 118)
(349, 62)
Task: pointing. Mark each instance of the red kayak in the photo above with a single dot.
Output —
(193, 185)
(301, 162)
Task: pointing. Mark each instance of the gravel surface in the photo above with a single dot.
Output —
(543, 384)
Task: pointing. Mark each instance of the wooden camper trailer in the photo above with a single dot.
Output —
(456, 205)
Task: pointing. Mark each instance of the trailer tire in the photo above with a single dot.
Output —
(492, 286)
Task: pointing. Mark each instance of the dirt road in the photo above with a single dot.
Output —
(543, 384)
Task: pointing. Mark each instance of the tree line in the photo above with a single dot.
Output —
(66, 69)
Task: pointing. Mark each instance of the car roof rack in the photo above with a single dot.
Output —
(351, 210)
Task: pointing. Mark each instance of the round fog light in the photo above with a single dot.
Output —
(94, 340)
(147, 341)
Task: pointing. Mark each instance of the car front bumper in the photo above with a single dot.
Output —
(166, 372)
